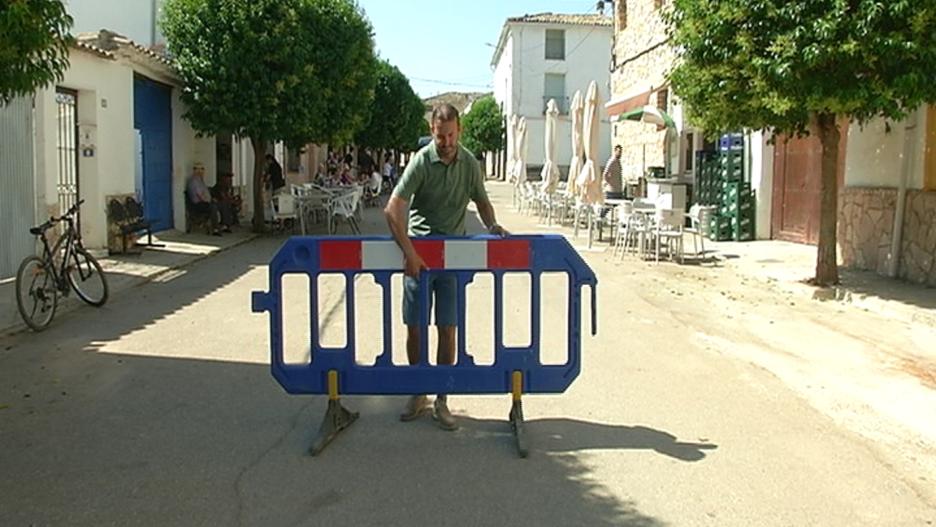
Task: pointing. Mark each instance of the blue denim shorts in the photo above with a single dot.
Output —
(443, 287)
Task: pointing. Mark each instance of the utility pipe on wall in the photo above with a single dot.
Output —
(893, 263)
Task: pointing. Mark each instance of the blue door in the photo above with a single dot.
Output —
(152, 117)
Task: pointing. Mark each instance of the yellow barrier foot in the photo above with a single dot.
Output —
(516, 413)
(337, 418)
(516, 422)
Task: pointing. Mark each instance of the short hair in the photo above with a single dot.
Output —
(445, 112)
(618, 147)
(270, 157)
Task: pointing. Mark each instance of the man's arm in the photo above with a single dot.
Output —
(486, 211)
(396, 213)
(606, 176)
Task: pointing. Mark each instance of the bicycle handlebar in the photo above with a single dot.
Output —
(53, 220)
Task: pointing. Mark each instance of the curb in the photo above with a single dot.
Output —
(72, 304)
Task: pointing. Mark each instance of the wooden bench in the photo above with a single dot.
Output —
(129, 219)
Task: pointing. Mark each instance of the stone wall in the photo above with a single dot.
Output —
(866, 226)
(640, 64)
(918, 248)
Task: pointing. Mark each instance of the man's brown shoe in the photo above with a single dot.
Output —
(417, 406)
(442, 415)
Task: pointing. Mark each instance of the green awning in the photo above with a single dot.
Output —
(648, 114)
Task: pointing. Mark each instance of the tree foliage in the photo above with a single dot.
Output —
(797, 66)
(298, 71)
(778, 63)
(34, 43)
(396, 116)
(483, 126)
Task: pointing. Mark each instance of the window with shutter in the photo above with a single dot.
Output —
(554, 88)
(555, 44)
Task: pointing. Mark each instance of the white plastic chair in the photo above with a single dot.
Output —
(344, 206)
(699, 218)
(669, 232)
(624, 212)
(284, 208)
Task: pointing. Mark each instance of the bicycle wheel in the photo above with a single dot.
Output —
(36, 294)
(87, 278)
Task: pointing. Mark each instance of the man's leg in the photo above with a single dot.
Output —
(445, 354)
(417, 405)
(446, 319)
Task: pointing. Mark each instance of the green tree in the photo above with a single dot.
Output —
(298, 71)
(395, 109)
(797, 66)
(34, 43)
(483, 126)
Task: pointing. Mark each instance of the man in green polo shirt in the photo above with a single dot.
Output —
(435, 189)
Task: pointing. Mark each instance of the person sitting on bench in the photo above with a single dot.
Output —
(199, 197)
(228, 203)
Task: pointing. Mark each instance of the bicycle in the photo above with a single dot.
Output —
(40, 280)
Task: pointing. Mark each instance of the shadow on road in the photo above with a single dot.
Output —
(132, 414)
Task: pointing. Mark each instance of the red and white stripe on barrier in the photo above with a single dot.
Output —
(345, 255)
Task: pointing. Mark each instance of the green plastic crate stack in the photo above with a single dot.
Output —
(734, 219)
(708, 190)
(738, 207)
(720, 228)
(731, 165)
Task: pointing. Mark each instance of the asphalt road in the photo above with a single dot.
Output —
(159, 409)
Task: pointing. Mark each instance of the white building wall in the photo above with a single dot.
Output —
(523, 66)
(760, 158)
(875, 156)
(503, 72)
(105, 123)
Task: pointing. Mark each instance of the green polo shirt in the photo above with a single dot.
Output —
(438, 194)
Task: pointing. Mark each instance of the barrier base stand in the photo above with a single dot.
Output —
(337, 418)
(516, 423)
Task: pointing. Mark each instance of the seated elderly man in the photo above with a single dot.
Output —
(199, 197)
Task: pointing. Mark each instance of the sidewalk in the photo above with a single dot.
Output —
(126, 271)
(784, 265)
(789, 265)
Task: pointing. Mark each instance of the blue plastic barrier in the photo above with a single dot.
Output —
(515, 369)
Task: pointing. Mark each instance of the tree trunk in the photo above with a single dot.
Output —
(259, 147)
(827, 256)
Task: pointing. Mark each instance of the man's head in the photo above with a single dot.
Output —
(269, 158)
(446, 129)
(617, 151)
(198, 170)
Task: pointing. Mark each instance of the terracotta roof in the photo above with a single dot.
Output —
(580, 19)
(108, 41)
(556, 18)
(91, 48)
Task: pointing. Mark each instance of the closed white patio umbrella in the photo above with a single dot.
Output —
(589, 180)
(575, 165)
(521, 152)
(550, 174)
